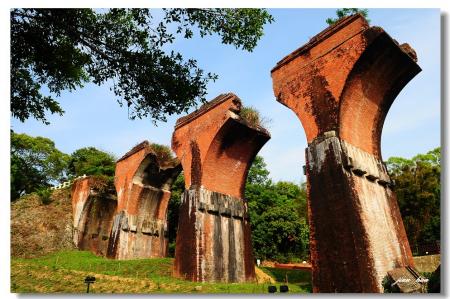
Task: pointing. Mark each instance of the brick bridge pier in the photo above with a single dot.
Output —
(216, 148)
(143, 182)
(129, 222)
(341, 85)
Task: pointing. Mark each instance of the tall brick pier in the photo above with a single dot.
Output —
(143, 182)
(341, 85)
(216, 148)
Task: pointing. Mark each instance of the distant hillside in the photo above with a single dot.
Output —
(38, 229)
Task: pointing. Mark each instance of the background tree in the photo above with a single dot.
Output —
(258, 173)
(173, 211)
(280, 234)
(62, 49)
(277, 216)
(35, 163)
(343, 12)
(417, 185)
(91, 161)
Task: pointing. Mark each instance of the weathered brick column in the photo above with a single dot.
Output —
(216, 148)
(341, 85)
(92, 211)
(143, 191)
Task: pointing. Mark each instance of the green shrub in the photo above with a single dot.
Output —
(171, 252)
(45, 195)
(387, 285)
(282, 259)
(434, 282)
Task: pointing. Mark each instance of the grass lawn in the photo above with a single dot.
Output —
(64, 272)
(300, 278)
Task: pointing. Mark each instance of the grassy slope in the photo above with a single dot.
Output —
(65, 271)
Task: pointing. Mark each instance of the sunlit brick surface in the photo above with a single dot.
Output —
(341, 86)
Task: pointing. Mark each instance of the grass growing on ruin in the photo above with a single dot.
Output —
(253, 117)
(64, 272)
(163, 154)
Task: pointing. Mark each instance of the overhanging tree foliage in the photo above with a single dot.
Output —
(62, 49)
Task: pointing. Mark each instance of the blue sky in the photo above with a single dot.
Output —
(93, 117)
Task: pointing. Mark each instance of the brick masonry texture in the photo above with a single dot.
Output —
(341, 86)
(216, 148)
(131, 222)
(92, 217)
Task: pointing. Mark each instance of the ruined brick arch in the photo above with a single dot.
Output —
(131, 221)
(146, 173)
(229, 158)
(377, 78)
(149, 173)
(216, 146)
(143, 191)
(92, 215)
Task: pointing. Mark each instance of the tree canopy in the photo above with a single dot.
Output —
(418, 188)
(35, 163)
(278, 216)
(62, 49)
(258, 173)
(279, 228)
(278, 219)
(91, 161)
(173, 211)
